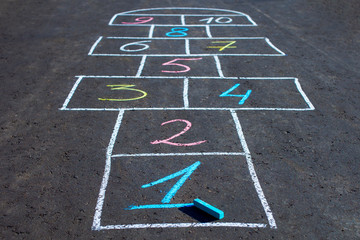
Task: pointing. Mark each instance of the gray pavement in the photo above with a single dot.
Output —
(92, 113)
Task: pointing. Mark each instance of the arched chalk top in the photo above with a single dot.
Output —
(178, 11)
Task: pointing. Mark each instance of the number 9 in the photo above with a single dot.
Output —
(140, 20)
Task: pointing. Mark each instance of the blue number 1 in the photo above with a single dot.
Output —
(186, 172)
(243, 97)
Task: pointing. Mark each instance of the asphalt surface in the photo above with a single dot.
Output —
(53, 157)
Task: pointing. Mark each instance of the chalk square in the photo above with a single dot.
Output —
(113, 93)
(179, 32)
(215, 19)
(135, 20)
(223, 181)
(127, 46)
(266, 93)
(140, 129)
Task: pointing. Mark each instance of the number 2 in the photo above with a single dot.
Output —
(187, 128)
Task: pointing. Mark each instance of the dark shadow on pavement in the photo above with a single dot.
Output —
(198, 214)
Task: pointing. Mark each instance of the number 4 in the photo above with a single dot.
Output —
(243, 97)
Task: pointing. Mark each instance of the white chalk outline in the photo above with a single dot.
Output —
(182, 225)
(179, 154)
(218, 66)
(105, 179)
(253, 23)
(185, 94)
(187, 46)
(208, 32)
(109, 155)
(252, 171)
(141, 66)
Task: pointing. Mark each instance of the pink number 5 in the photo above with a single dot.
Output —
(172, 62)
(167, 141)
(140, 20)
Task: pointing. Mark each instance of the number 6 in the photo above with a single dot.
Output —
(141, 43)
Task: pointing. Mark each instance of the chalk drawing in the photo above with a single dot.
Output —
(140, 43)
(186, 172)
(223, 47)
(140, 20)
(243, 97)
(172, 63)
(187, 128)
(208, 19)
(177, 32)
(124, 87)
(217, 20)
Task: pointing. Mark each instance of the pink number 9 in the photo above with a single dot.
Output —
(140, 20)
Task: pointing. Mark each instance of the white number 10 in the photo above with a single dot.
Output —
(218, 20)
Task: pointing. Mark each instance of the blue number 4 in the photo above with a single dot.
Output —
(186, 172)
(243, 97)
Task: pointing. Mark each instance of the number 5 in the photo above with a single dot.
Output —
(172, 62)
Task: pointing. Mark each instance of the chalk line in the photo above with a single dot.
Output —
(218, 66)
(71, 93)
(208, 32)
(179, 154)
(253, 174)
(187, 47)
(141, 67)
(182, 108)
(275, 48)
(151, 31)
(183, 225)
(183, 20)
(186, 93)
(95, 45)
(105, 180)
(306, 99)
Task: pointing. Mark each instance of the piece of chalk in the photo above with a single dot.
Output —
(213, 211)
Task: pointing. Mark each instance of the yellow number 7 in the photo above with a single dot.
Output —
(223, 47)
(124, 87)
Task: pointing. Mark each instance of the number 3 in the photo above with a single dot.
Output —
(172, 62)
(167, 141)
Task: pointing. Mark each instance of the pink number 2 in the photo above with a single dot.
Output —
(140, 20)
(167, 141)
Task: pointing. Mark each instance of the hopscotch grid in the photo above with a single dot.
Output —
(252, 172)
(109, 153)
